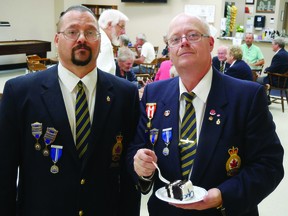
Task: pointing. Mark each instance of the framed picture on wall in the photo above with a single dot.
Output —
(249, 1)
(264, 6)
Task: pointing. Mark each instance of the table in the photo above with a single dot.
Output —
(28, 47)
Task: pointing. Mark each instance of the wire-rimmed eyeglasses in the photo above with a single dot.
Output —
(191, 37)
(74, 34)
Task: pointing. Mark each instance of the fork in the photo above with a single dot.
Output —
(159, 174)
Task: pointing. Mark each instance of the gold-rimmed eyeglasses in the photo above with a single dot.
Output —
(74, 34)
(122, 27)
(191, 37)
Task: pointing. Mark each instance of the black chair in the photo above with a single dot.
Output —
(278, 82)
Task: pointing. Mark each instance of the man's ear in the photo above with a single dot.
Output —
(211, 43)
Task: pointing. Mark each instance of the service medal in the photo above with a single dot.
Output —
(56, 153)
(166, 137)
(153, 137)
(49, 138)
(37, 132)
(150, 111)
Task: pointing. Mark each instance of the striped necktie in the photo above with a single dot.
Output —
(82, 121)
(222, 66)
(187, 145)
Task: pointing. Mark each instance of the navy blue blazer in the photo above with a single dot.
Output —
(242, 120)
(216, 64)
(240, 70)
(100, 183)
(128, 75)
(279, 64)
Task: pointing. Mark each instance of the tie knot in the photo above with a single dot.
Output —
(188, 96)
(80, 85)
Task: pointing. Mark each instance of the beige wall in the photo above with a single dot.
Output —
(35, 19)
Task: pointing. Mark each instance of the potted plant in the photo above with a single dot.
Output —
(239, 31)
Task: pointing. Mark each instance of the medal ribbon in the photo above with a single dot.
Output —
(167, 135)
(56, 152)
(150, 110)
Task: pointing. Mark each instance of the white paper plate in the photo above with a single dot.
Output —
(199, 193)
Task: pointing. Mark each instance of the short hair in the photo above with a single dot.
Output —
(124, 53)
(79, 8)
(111, 16)
(142, 37)
(124, 39)
(236, 52)
(203, 21)
(223, 47)
(249, 34)
(280, 41)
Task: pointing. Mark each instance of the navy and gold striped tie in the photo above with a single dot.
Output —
(188, 136)
(222, 66)
(82, 121)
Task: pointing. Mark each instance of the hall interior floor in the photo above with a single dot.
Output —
(275, 204)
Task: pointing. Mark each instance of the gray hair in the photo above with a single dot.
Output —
(236, 52)
(280, 41)
(142, 37)
(124, 39)
(124, 53)
(111, 16)
(203, 21)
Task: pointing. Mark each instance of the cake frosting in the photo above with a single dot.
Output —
(180, 189)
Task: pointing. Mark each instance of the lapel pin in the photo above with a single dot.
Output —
(108, 99)
(167, 113)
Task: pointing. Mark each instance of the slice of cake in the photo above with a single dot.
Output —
(180, 189)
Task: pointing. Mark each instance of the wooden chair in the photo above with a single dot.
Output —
(148, 70)
(257, 72)
(156, 48)
(278, 82)
(36, 63)
(160, 60)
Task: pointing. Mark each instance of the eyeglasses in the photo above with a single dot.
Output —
(74, 34)
(122, 27)
(191, 37)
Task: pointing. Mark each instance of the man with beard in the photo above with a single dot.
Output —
(112, 24)
(62, 129)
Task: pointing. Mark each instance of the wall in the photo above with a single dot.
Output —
(36, 19)
(29, 19)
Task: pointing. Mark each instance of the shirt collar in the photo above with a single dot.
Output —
(202, 89)
(70, 80)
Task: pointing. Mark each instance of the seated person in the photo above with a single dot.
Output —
(124, 64)
(124, 40)
(220, 61)
(238, 68)
(252, 54)
(165, 51)
(147, 54)
(164, 70)
(279, 62)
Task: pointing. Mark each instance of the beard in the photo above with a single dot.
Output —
(81, 62)
(115, 39)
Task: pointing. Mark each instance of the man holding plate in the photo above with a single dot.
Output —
(234, 155)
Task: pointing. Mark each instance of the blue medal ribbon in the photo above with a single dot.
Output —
(56, 152)
(167, 135)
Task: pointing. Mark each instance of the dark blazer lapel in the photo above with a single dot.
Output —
(170, 103)
(53, 99)
(104, 102)
(211, 129)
